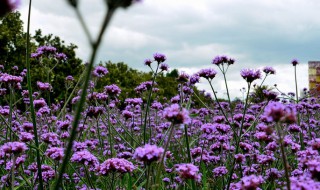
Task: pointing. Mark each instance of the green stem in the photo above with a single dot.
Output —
(160, 165)
(148, 107)
(33, 115)
(77, 118)
(283, 155)
(215, 96)
(239, 137)
(12, 171)
(297, 101)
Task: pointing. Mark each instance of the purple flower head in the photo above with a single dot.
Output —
(176, 115)
(164, 67)
(115, 165)
(160, 58)
(134, 101)
(55, 153)
(6, 78)
(148, 153)
(69, 78)
(144, 86)
(127, 114)
(86, 158)
(188, 171)
(47, 50)
(276, 111)
(7, 6)
(195, 78)
(269, 70)
(61, 56)
(251, 182)
(148, 62)
(207, 73)
(250, 74)
(14, 147)
(183, 77)
(50, 138)
(44, 86)
(25, 136)
(220, 171)
(100, 71)
(294, 62)
(39, 103)
(219, 60)
(112, 90)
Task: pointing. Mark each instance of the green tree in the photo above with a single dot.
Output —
(13, 52)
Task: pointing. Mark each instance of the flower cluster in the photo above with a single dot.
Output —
(276, 111)
(219, 60)
(208, 74)
(148, 153)
(115, 165)
(188, 171)
(176, 114)
(250, 74)
(100, 71)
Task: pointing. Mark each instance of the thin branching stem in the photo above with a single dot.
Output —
(33, 115)
(81, 103)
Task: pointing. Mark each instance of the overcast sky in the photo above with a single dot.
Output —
(190, 33)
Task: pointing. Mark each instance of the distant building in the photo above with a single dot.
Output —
(314, 77)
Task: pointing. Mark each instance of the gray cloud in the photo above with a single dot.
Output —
(190, 33)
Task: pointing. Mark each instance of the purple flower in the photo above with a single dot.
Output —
(294, 62)
(250, 74)
(219, 60)
(55, 153)
(44, 50)
(220, 171)
(176, 115)
(134, 101)
(164, 67)
(39, 103)
(276, 111)
(86, 158)
(148, 62)
(269, 70)
(127, 114)
(183, 77)
(188, 171)
(14, 147)
(100, 71)
(160, 58)
(194, 78)
(251, 182)
(7, 6)
(148, 153)
(61, 56)
(144, 86)
(44, 86)
(25, 136)
(69, 78)
(115, 165)
(207, 73)
(50, 138)
(112, 90)
(6, 78)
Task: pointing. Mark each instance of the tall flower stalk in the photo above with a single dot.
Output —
(295, 63)
(249, 75)
(33, 115)
(111, 8)
(159, 58)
